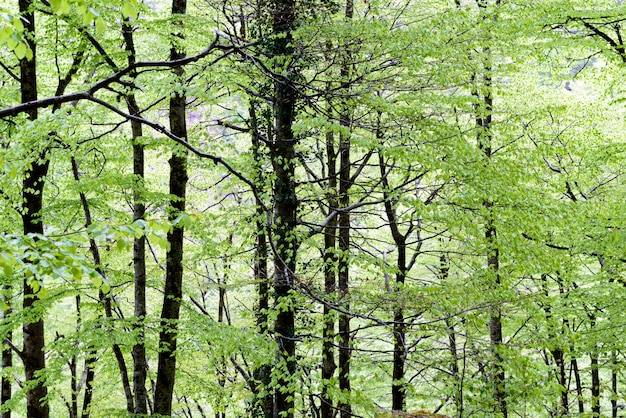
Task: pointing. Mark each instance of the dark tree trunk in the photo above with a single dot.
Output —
(595, 384)
(484, 116)
(558, 356)
(89, 378)
(7, 358)
(32, 193)
(73, 363)
(327, 408)
(343, 274)
(173, 292)
(482, 90)
(457, 376)
(557, 353)
(579, 386)
(140, 364)
(283, 157)
(398, 387)
(345, 182)
(495, 321)
(614, 395)
(106, 302)
(264, 405)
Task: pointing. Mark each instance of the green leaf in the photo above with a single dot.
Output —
(105, 288)
(60, 7)
(20, 50)
(97, 281)
(100, 25)
(130, 9)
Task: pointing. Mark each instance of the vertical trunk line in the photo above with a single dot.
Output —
(327, 409)
(106, 302)
(444, 269)
(398, 385)
(7, 355)
(484, 119)
(173, 292)
(344, 236)
(32, 193)
(282, 152)
(263, 405)
(140, 364)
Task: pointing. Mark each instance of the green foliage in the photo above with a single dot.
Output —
(415, 80)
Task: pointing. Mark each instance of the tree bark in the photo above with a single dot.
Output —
(484, 116)
(579, 386)
(595, 385)
(283, 157)
(7, 358)
(140, 364)
(327, 408)
(398, 386)
(32, 193)
(106, 303)
(173, 291)
(343, 276)
(614, 370)
(264, 405)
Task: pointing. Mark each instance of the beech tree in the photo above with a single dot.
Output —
(384, 207)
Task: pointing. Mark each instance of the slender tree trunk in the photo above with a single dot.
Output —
(106, 302)
(495, 322)
(614, 369)
(579, 386)
(327, 408)
(398, 386)
(32, 193)
(264, 405)
(483, 90)
(343, 278)
(343, 275)
(173, 292)
(345, 349)
(140, 364)
(73, 365)
(558, 356)
(595, 384)
(89, 378)
(454, 351)
(7, 357)
(283, 157)
(557, 353)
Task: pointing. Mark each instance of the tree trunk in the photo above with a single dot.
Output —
(283, 156)
(7, 357)
(579, 386)
(444, 269)
(140, 364)
(614, 370)
(173, 292)
(398, 386)
(106, 303)
(595, 385)
(483, 92)
(32, 193)
(327, 408)
(263, 405)
(343, 275)
(495, 321)
(345, 182)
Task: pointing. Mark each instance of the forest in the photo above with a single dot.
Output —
(312, 208)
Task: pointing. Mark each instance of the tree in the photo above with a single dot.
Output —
(173, 293)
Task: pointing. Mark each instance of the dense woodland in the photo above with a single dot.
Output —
(312, 208)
